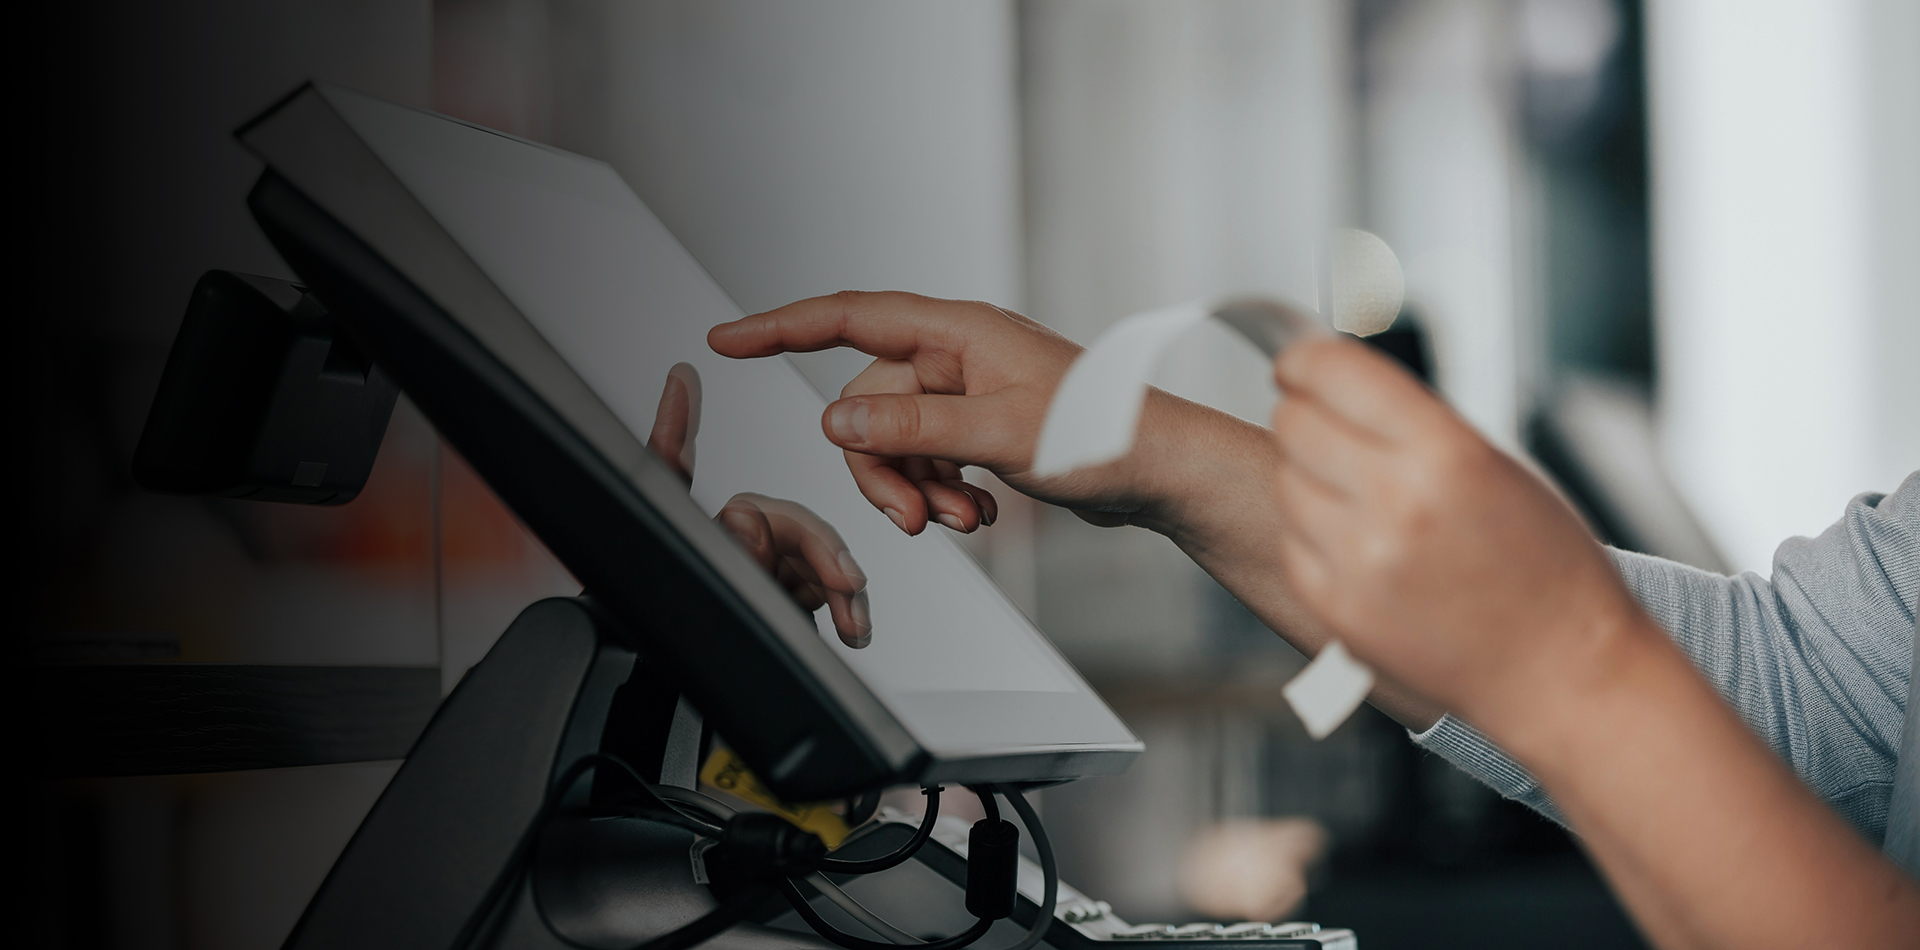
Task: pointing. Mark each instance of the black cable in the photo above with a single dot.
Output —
(861, 807)
(682, 799)
(674, 809)
(703, 928)
(851, 942)
(899, 856)
(686, 935)
(987, 801)
(662, 810)
(859, 911)
(1043, 920)
(1049, 870)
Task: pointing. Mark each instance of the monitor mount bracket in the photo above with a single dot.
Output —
(451, 855)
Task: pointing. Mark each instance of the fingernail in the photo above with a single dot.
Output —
(861, 612)
(951, 522)
(737, 522)
(898, 518)
(986, 517)
(852, 569)
(849, 421)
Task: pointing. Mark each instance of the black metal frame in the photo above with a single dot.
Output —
(450, 855)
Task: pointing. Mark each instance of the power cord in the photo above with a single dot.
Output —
(985, 915)
(760, 854)
(686, 799)
(850, 942)
(859, 911)
(720, 918)
(992, 868)
(861, 807)
(661, 810)
(988, 803)
(900, 855)
(1049, 870)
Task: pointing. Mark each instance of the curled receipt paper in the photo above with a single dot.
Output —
(1095, 413)
(1097, 408)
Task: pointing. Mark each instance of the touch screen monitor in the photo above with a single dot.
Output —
(533, 307)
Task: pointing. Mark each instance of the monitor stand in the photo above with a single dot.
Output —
(438, 862)
(448, 858)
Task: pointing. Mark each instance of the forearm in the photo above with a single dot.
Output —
(1705, 833)
(1206, 482)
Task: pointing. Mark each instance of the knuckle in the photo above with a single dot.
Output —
(846, 304)
(903, 423)
(1316, 360)
(1418, 504)
(1290, 366)
(1286, 419)
(871, 301)
(1382, 550)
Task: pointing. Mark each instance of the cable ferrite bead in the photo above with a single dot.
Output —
(993, 868)
(759, 848)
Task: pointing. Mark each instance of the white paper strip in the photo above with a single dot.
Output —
(1096, 412)
(1097, 408)
(1328, 691)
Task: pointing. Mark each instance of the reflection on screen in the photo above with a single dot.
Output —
(613, 292)
(790, 541)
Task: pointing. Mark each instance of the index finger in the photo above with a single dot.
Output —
(1360, 386)
(887, 324)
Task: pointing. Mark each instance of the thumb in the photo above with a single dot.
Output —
(986, 430)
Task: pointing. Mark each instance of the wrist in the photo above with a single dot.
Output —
(1197, 472)
(1539, 705)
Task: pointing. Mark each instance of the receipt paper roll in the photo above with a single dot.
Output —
(1096, 412)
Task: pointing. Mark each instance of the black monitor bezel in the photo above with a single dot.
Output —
(810, 737)
(610, 511)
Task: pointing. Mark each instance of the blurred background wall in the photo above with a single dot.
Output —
(129, 186)
(1785, 138)
(1658, 247)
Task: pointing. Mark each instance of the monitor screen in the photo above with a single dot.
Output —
(590, 302)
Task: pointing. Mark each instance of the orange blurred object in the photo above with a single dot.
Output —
(475, 525)
(1250, 869)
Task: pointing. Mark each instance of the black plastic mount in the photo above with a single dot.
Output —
(263, 399)
(448, 857)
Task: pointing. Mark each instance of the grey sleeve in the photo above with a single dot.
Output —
(1815, 659)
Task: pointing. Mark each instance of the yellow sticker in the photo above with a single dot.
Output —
(726, 772)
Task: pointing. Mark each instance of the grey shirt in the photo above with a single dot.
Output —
(1816, 659)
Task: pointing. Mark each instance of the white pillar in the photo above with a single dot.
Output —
(1774, 300)
(1442, 172)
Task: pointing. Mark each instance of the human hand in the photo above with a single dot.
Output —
(799, 548)
(955, 383)
(806, 555)
(1434, 555)
(1449, 567)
